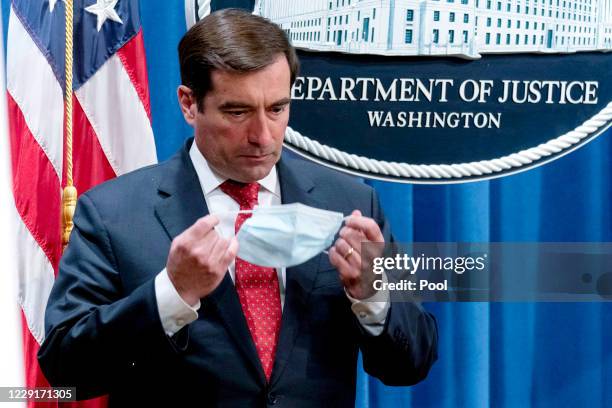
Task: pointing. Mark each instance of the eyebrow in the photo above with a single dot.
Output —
(241, 105)
(284, 101)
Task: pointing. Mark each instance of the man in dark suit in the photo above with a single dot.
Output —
(152, 305)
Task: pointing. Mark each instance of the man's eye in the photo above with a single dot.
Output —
(278, 109)
(236, 114)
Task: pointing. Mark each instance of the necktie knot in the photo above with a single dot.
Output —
(245, 194)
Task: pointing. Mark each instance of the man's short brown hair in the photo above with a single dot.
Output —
(232, 40)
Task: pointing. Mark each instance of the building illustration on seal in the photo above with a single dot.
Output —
(466, 28)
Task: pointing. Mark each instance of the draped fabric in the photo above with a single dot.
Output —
(512, 354)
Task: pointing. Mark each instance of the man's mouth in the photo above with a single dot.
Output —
(256, 157)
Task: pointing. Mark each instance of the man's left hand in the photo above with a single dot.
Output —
(346, 254)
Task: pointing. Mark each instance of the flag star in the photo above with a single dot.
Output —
(104, 9)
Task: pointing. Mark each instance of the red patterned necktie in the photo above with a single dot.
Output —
(257, 286)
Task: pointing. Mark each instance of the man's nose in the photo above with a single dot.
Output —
(259, 131)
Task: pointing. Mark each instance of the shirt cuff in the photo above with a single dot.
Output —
(174, 312)
(372, 312)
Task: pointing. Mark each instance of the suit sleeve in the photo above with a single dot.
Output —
(97, 336)
(408, 345)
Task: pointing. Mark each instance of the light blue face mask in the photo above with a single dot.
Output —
(286, 235)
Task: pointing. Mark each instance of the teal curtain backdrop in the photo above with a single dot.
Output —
(491, 354)
(512, 354)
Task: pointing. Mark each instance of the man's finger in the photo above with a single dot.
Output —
(216, 252)
(338, 261)
(353, 236)
(201, 227)
(349, 252)
(366, 225)
(346, 271)
(230, 252)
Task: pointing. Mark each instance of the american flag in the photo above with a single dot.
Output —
(112, 131)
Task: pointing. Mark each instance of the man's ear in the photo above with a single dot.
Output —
(188, 103)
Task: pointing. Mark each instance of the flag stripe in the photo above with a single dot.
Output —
(131, 56)
(36, 195)
(12, 372)
(34, 377)
(36, 276)
(90, 164)
(118, 118)
(36, 188)
(35, 105)
(42, 27)
(33, 86)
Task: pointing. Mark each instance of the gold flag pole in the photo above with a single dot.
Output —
(69, 196)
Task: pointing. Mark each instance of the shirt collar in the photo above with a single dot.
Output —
(211, 180)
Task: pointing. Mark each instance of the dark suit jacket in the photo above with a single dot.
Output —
(103, 329)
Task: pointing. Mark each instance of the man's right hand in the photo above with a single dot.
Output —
(199, 259)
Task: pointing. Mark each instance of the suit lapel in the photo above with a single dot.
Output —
(300, 279)
(182, 204)
(225, 300)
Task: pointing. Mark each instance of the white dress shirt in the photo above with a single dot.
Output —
(175, 313)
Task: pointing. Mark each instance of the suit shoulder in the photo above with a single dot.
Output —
(133, 192)
(323, 176)
(130, 183)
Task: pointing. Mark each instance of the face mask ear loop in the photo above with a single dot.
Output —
(223, 214)
(325, 251)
